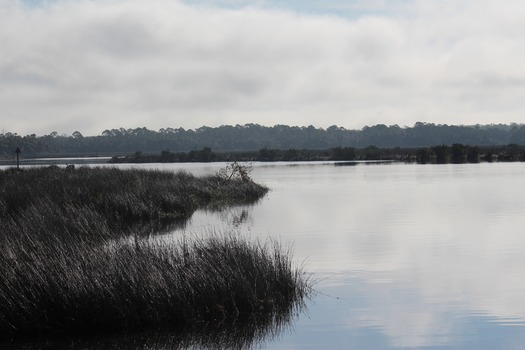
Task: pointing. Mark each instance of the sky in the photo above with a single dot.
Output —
(91, 65)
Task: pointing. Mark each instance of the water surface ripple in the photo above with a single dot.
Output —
(405, 256)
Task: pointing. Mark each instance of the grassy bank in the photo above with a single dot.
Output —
(63, 272)
(121, 197)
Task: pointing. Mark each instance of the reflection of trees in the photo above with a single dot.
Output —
(241, 218)
(237, 216)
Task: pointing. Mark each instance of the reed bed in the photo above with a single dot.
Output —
(123, 197)
(64, 289)
(72, 263)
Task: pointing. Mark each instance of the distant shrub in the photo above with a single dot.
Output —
(236, 171)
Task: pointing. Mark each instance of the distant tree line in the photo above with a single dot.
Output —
(254, 137)
(440, 154)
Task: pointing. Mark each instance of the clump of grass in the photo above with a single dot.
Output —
(50, 290)
(122, 197)
(67, 268)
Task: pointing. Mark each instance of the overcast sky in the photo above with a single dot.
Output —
(90, 65)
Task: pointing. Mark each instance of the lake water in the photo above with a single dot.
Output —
(403, 256)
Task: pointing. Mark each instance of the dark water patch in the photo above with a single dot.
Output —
(238, 334)
(364, 162)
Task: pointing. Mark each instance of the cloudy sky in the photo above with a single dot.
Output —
(90, 65)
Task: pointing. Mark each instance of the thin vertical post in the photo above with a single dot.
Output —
(18, 151)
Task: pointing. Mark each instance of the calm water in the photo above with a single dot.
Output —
(405, 256)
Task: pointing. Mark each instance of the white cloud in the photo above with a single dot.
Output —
(91, 65)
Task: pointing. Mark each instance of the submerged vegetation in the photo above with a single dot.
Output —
(73, 261)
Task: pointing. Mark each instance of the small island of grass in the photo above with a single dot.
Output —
(75, 262)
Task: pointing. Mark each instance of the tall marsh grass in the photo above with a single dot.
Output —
(77, 290)
(122, 197)
(64, 270)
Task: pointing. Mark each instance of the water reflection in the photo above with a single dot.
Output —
(156, 228)
(237, 216)
(229, 216)
(240, 334)
(406, 256)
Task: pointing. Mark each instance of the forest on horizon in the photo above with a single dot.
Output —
(251, 137)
